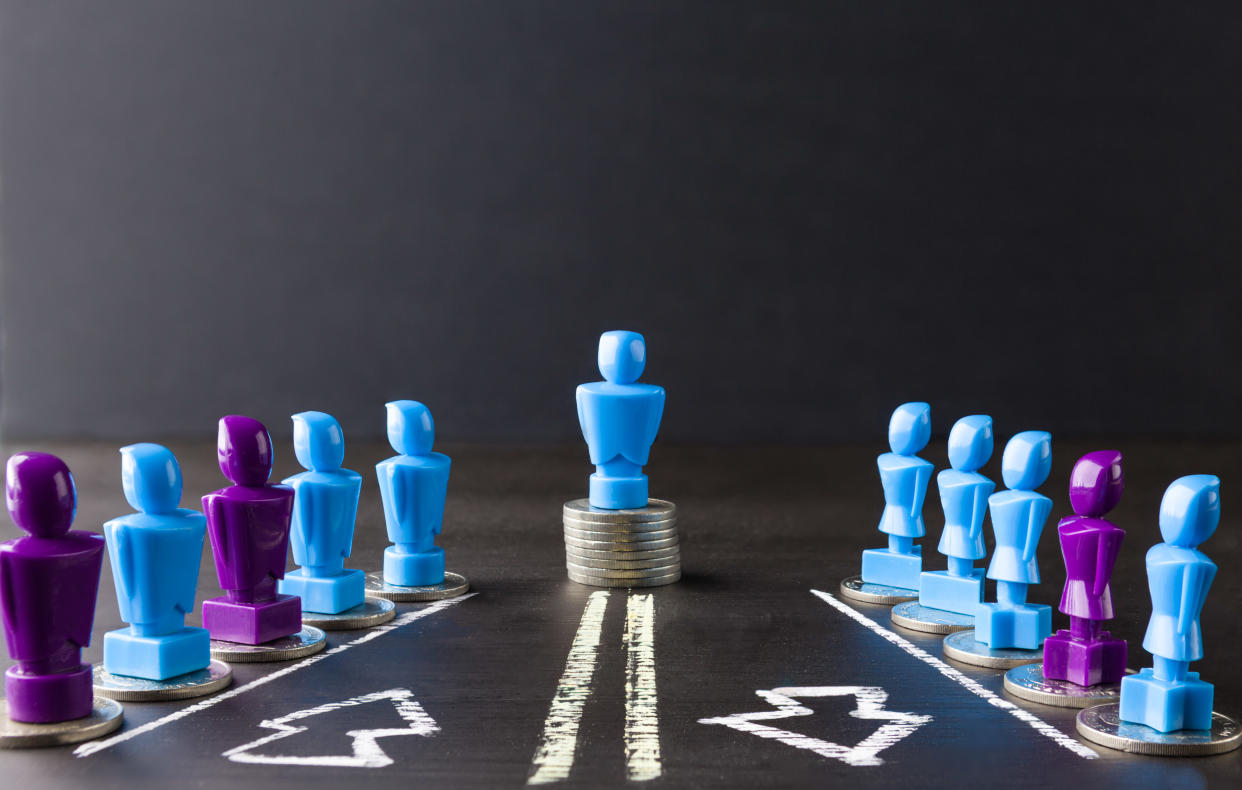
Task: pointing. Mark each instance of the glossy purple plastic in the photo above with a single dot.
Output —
(48, 585)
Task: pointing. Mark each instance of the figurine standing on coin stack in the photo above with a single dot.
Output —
(248, 523)
(48, 584)
(618, 537)
(155, 557)
(413, 486)
(325, 506)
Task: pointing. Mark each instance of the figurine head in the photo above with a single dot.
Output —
(970, 443)
(39, 491)
(910, 428)
(318, 441)
(151, 478)
(244, 450)
(1190, 510)
(410, 428)
(1096, 483)
(622, 356)
(1027, 460)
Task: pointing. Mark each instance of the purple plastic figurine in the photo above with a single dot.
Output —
(48, 584)
(1086, 654)
(248, 523)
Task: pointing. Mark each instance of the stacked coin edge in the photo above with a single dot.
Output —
(622, 548)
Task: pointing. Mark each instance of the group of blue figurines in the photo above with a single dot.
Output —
(1166, 696)
(156, 552)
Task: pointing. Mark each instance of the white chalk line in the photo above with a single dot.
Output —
(94, 747)
(554, 758)
(1039, 725)
(642, 723)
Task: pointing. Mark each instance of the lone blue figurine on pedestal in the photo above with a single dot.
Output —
(325, 505)
(1167, 697)
(964, 497)
(413, 486)
(905, 477)
(620, 419)
(1018, 517)
(155, 556)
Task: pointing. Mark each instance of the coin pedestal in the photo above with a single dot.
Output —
(215, 676)
(305, 642)
(856, 589)
(633, 547)
(1102, 724)
(104, 717)
(454, 584)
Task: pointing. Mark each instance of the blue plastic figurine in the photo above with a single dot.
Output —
(1166, 697)
(964, 497)
(325, 505)
(1018, 517)
(905, 477)
(413, 486)
(155, 556)
(620, 419)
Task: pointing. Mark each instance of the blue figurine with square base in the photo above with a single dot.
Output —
(904, 477)
(325, 505)
(413, 486)
(964, 497)
(155, 556)
(1018, 517)
(1166, 696)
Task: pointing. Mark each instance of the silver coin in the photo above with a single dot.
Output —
(597, 581)
(638, 527)
(917, 617)
(1102, 725)
(454, 584)
(620, 537)
(208, 680)
(625, 573)
(621, 564)
(104, 718)
(371, 612)
(308, 641)
(627, 545)
(962, 646)
(656, 510)
(1029, 683)
(620, 555)
(857, 589)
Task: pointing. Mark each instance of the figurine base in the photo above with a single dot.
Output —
(916, 617)
(1024, 626)
(215, 676)
(48, 699)
(1166, 705)
(372, 612)
(881, 566)
(156, 657)
(252, 623)
(325, 594)
(617, 493)
(1029, 682)
(305, 642)
(1100, 661)
(962, 646)
(104, 717)
(856, 589)
(1103, 725)
(421, 569)
(946, 592)
(453, 585)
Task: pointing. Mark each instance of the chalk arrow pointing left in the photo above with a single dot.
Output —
(870, 706)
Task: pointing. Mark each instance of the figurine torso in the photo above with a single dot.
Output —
(324, 510)
(155, 561)
(48, 588)
(1178, 579)
(413, 488)
(249, 528)
(1090, 547)
(905, 479)
(619, 419)
(964, 498)
(1017, 520)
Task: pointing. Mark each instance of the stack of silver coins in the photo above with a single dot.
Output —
(622, 548)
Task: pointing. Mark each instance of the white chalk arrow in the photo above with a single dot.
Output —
(366, 749)
(870, 706)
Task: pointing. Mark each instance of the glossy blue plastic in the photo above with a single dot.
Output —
(1018, 517)
(1167, 696)
(413, 486)
(325, 505)
(155, 555)
(620, 419)
(964, 498)
(904, 477)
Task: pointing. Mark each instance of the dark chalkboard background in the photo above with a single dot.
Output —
(814, 211)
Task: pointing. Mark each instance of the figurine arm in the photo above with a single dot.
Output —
(581, 416)
(978, 510)
(657, 413)
(215, 516)
(397, 491)
(123, 560)
(6, 594)
(1106, 548)
(1033, 527)
(1193, 579)
(922, 476)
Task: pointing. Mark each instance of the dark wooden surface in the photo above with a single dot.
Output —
(761, 528)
